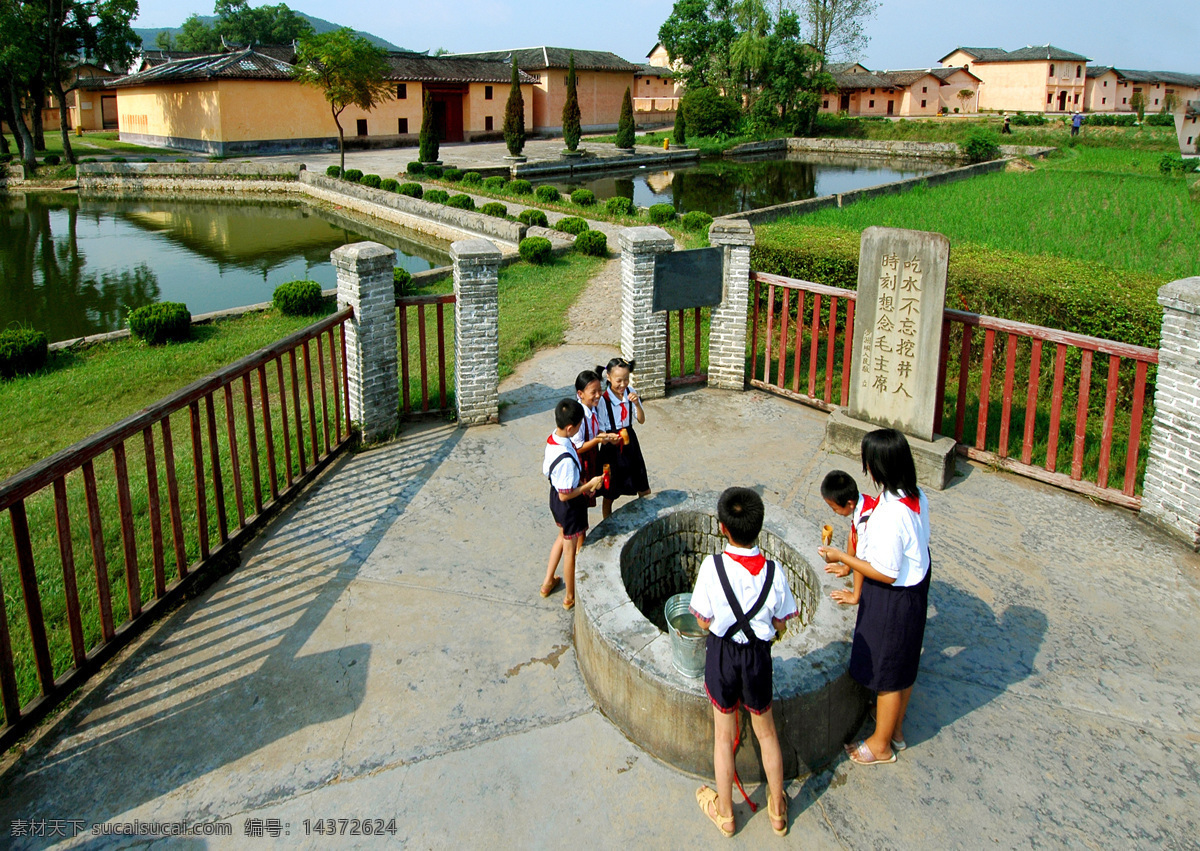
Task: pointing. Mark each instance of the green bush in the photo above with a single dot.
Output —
(333, 171)
(389, 184)
(22, 351)
(708, 113)
(434, 171)
(494, 208)
(158, 323)
(461, 202)
(298, 298)
(840, 126)
(118, 160)
(696, 220)
(1161, 119)
(981, 146)
(583, 197)
(372, 181)
(354, 175)
(661, 214)
(412, 190)
(1175, 164)
(520, 187)
(51, 159)
(149, 160)
(571, 224)
(1032, 120)
(593, 243)
(536, 249)
(182, 160)
(1104, 120)
(454, 175)
(437, 196)
(472, 177)
(620, 206)
(546, 194)
(496, 181)
(415, 168)
(400, 279)
(532, 218)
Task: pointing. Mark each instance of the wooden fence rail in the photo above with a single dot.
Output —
(414, 355)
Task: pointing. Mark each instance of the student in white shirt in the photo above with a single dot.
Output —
(569, 494)
(618, 406)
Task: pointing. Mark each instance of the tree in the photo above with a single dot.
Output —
(680, 133)
(348, 69)
(1137, 101)
(1170, 102)
(964, 97)
(238, 23)
(570, 114)
(164, 40)
(197, 36)
(17, 64)
(836, 26)
(514, 115)
(625, 127)
(699, 35)
(428, 140)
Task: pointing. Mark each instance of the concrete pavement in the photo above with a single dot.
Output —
(382, 653)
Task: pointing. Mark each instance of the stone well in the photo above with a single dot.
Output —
(652, 548)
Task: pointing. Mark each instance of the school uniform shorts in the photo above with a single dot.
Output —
(738, 674)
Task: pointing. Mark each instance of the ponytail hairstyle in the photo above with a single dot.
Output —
(887, 458)
(587, 377)
(630, 364)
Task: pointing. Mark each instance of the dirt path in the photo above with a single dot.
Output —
(595, 317)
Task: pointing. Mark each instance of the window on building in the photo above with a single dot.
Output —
(1051, 69)
(825, 104)
(1103, 101)
(1078, 71)
(487, 92)
(403, 126)
(362, 127)
(924, 90)
(1050, 97)
(488, 123)
(922, 104)
(1106, 84)
(1124, 101)
(871, 103)
(1156, 101)
(401, 91)
(1077, 97)
(872, 91)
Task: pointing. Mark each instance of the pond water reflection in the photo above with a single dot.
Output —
(723, 186)
(74, 266)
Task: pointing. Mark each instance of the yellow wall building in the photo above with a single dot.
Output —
(904, 94)
(1112, 89)
(1033, 79)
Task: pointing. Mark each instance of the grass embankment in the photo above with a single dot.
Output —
(82, 392)
(1055, 133)
(105, 144)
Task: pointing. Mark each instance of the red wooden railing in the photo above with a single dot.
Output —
(406, 304)
(805, 342)
(123, 521)
(677, 327)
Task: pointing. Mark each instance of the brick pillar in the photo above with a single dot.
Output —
(1171, 491)
(643, 332)
(476, 331)
(727, 332)
(364, 278)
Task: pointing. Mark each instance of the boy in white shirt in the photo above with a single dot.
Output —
(742, 600)
(568, 497)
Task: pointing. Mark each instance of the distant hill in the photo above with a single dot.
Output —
(148, 35)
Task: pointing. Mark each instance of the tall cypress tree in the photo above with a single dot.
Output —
(680, 127)
(428, 142)
(625, 130)
(570, 113)
(514, 115)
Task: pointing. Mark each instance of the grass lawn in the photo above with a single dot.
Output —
(103, 144)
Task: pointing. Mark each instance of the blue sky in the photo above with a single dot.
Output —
(909, 34)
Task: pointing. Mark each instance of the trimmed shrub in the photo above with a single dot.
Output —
(708, 113)
(496, 181)
(472, 177)
(372, 181)
(981, 146)
(400, 279)
(427, 141)
(158, 323)
(437, 196)
(514, 115)
(434, 171)
(592, 242)
(625, 132)
(620, 206)
(454, 175)
(182, 160)
(494, 208)
(298, 298)
(571, 116)
(1161, 119)
(1032, 120)
(149, 160)
(661, 214)
(461, 202)
(389, 184)
(22, 351)
(333, 171)
(415, 168)
(536, 249)
(680, 131)
(118, 160)
(51, 159)
(696, 220)
(1103, 120)
(532, 218)
(572, 225)
(354, 175)
(520, 187)
(548, 194)
(412, 190)
(583, 197)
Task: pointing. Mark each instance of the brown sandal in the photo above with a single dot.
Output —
(568, 603)
(707, 799)
(550, 587)
(774, 816)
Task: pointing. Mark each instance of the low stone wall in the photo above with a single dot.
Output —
(886, 148)
(589, 164)
(134, 177)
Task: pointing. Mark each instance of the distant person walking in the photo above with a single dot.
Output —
(1076, 123)
(1006, 128)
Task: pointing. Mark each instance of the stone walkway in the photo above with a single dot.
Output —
(382, 653)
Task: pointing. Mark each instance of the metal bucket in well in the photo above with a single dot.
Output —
(687, 636)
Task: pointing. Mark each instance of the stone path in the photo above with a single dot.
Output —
(382, 653)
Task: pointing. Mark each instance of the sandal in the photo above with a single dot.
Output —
(707, 799)
(550, 587)
(862, 755)
(568, 603)
(774, 816)
(899, 744)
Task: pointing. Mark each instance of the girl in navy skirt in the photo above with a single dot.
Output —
(618, 406)
(893, 558)
(590, 437)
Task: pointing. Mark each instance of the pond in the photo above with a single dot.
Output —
(72, 266)
(723, 186)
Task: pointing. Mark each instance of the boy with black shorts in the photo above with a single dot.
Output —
(568, 497)
(742, 600)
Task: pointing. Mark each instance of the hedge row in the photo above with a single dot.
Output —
(1055, 292)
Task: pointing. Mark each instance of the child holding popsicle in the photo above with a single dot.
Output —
(840, 492)
(619, 404)
(590, 437)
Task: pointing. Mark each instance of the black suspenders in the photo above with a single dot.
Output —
(743, 620)
(559, 460)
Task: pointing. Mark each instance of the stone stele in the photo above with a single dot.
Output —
(898, 328)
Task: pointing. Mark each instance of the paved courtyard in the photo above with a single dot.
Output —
(383, 654)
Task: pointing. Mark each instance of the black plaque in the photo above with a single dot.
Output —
(684, 279)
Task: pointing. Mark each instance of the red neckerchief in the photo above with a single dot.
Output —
(913, 503)
(595, 424)
(752, 563)
(621, 402)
